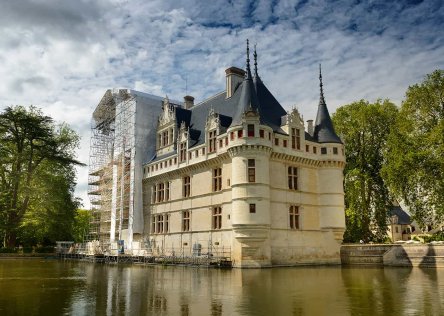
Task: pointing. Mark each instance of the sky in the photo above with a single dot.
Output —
(62, 56)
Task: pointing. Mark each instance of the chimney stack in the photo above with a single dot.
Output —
(188, 101)
(234, 76)
(310, 127)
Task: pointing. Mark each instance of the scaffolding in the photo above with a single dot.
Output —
(111, 166)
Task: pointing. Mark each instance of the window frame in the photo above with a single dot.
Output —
(292, 175)
(212, 141)
(182, 151)
(186, 186)
(217, 179)
(294, 217)
(186, 221)
(251, 170)
(250, 130)
(216, 218)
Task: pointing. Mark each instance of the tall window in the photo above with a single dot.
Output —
(186, 190)
(161, 192)
(292, 178)
(217, 217)
(183, 152)
(295, 138)
(261, 133)
(165, 138)
(294, 217)
(252, 208)
(154, 197)
(239, 133)
(166, 226)
(250, 129)
(167, 191)
(212, 141)
(251, 170)
(217, 179)
(159, 228)
(153, 224)
(186, 221)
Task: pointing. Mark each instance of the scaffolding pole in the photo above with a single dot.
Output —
(111, 167)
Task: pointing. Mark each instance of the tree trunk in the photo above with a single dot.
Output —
(10, 238)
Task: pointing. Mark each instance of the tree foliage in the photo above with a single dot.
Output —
(364, 127)
(37, 177)
(81, 224)
(415, 151)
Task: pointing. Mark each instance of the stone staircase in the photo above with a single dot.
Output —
(405, 255)
(364, 254)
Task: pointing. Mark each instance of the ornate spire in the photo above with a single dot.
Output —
(255, 62)
(248, 72)
(321, 96)
(324, 131)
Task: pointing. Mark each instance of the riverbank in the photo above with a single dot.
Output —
(397, 255)
(27, 255)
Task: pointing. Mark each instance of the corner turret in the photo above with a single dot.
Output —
(324, 131)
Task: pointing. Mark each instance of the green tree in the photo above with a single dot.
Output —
(415, 151)
(364, 128)
(36, 174)
(81, 224)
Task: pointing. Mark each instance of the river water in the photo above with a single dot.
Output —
(52, 287)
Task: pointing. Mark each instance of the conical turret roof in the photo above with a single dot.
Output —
(324, 131)
(248, 100)
(255, 96)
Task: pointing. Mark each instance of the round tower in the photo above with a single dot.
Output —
(250, 193)
(330, 175)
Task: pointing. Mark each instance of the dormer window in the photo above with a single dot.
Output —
(182, 152)
(165, 138)
(250, 129)
(296, 138)
(212, 141)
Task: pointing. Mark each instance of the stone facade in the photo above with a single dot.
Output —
(260, 193)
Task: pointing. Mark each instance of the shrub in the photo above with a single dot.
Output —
(27, 249)
(8, 250)
(45, 249)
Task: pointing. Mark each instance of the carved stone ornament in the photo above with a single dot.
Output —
(212, 120)
(183, 133)
(294, 118)
(168, 114)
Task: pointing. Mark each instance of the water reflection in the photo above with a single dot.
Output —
(76, 288)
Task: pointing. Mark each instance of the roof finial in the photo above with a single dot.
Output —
(321, 97)
(255, 62)
(248, 74)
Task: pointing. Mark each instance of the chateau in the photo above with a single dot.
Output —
(235, 175)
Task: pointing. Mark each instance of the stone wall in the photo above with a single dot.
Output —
(405, 255)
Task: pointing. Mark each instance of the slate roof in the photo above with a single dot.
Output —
(250, 95)
(403, 217)
(324, 131)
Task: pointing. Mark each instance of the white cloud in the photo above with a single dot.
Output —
(62, 56)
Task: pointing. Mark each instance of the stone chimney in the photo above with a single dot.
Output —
(188, 101)
(310, 130)
(234, 76)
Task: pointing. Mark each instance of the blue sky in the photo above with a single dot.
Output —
(62, 55)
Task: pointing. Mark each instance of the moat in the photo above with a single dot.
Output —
(53, 287)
